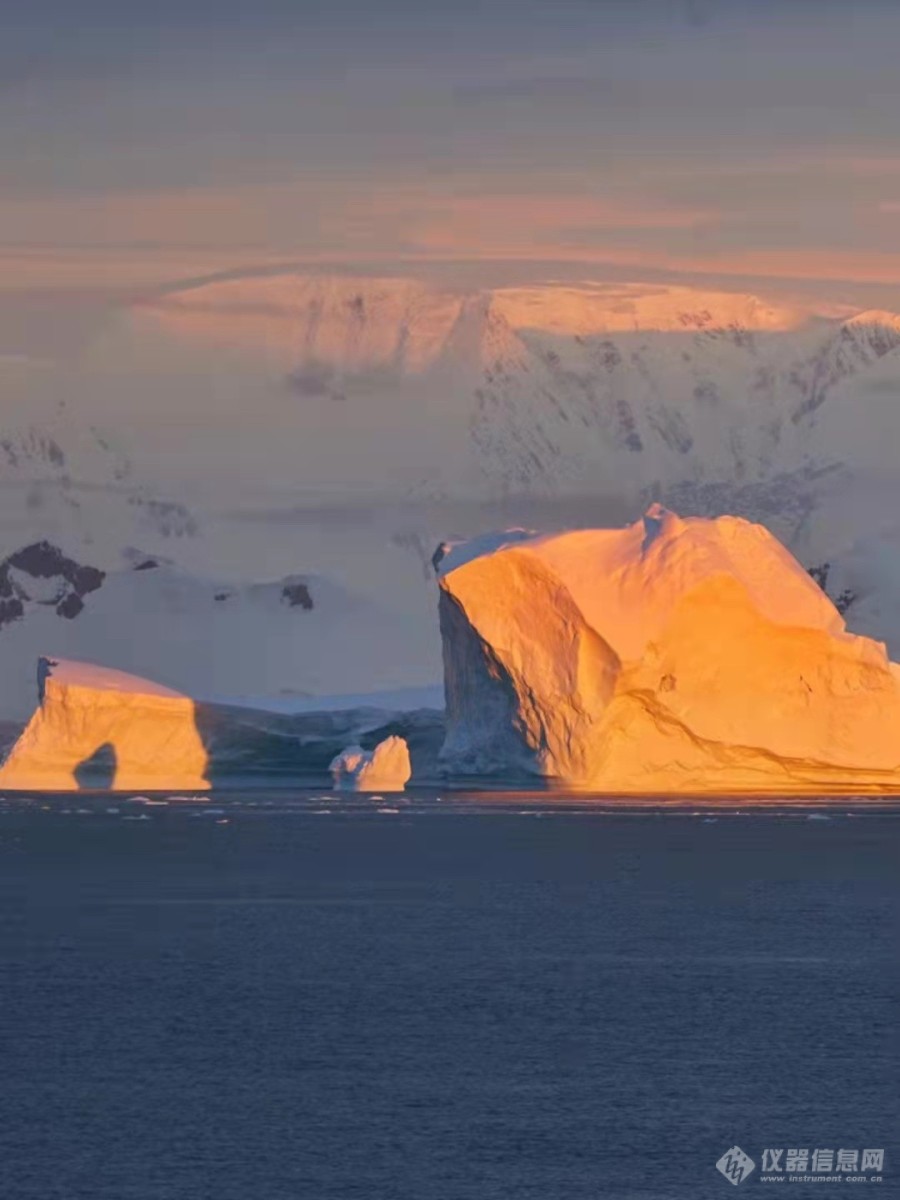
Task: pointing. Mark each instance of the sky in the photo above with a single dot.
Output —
(752, 142)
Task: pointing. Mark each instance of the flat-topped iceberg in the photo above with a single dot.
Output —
(94, 724)
(387, 768)
(675, 655)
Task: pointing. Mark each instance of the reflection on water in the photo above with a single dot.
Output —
(428, 802)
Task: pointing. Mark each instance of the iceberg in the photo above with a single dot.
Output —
(672, 656)
(385, 769)
(95, 726)
(99, 728)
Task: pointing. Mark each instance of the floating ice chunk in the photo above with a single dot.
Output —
(98, 727)
(385, 769)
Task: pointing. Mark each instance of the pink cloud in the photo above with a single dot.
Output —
(138, 238)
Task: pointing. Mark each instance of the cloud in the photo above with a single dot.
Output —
(492, 223)
(136, 238)
(321, 216)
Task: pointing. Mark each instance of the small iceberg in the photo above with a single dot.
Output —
(387, 768)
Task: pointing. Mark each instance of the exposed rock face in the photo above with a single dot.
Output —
(385, 769)
(671, 656)
(103, 728)
(296, 595)
(40, 574)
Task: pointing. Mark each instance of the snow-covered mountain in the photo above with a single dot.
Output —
(338, 427)
(395, 388)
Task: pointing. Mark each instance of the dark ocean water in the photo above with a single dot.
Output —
(320, 1001)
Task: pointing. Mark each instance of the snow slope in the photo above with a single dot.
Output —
(68, 477)
(291, 638)
(676, 655)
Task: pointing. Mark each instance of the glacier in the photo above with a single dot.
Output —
(676, 655)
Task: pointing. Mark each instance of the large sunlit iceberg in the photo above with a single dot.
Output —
(674, 655)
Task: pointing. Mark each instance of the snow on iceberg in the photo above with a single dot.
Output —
(675, 655)
(97, 726)
(385, 769)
